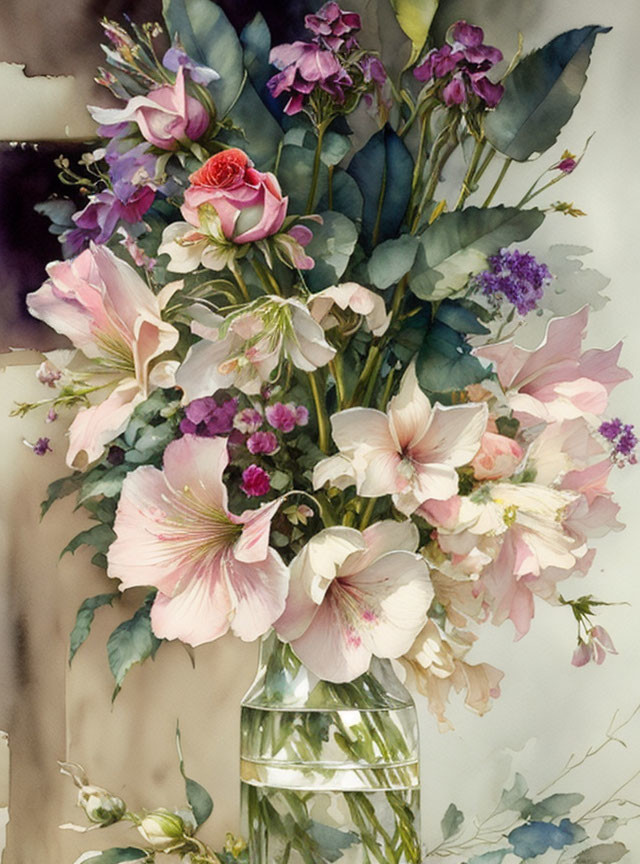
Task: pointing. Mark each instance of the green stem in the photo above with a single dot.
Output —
(499, 180)
(368, 513)
(531, 194)
(442, 150)
(267, 278)
(388, 387)
(488, 159)
(321, 413)
(369, 365)
(242, 285)
(316, 167)
(467, 183)
(336, 369)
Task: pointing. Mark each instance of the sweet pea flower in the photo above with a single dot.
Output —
(596, 647)
(244, 349)
(176, 57)
(556, 381)
(411, 451)
(167, 116)
(305, 66)
(357, 298)
(97, 221)
(354, 595)
(331, 25)
(101, 304)
(213, 570)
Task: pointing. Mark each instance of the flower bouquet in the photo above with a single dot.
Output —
(303, 411)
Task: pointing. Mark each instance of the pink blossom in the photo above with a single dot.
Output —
(302, 415)
(556, 381)
(166, 116)
(249, 203)
(101, 304)
(248, 421)
(262, 442)
(497, 457)
(410, 452)
(596, 647)
(213, 570)
(255, 481)
(357, 298)
(281, 416)
(354, 595)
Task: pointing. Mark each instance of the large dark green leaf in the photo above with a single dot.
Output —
(199, 799)
(131, 642)
(295, 171)
(541, 93)
(444, 361)
(383, 171)
(256, 41)
(331, 248)
(209, 39)
(346, 197)
(457, 245)
(84, 620)
(392, 259)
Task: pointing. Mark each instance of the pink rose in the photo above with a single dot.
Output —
(497, 457)
(165, 116)
(249, 203)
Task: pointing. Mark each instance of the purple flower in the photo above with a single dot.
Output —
(304, 66)
(515, 276)
(52, 416)
(623, 439)
(255, 481)
(372, 70)
(302, 415)
(262, 442)
(41, 447)
(567, 164)
(331, 24)
(281, 416)
(176, 56)
(464, 62)
(98, 220)
(207, 418)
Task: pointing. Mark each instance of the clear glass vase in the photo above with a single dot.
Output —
(329, 772)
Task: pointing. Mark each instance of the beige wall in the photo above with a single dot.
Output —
(548, 709)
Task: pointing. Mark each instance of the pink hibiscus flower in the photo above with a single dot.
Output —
(213, 570)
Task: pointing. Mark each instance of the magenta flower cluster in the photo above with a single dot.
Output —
(207, 418)
(515, 276)
(623, 440)
(322, 61)
(460, 67)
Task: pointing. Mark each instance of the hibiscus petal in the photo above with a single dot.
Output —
(361, 426)
(254, 542)
(409, 412)
(453, 436)
(93, 428)
(194, 466)
(200, 613)
(259, 590)
(380, 538)
(199, 374)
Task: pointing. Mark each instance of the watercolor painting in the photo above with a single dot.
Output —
(319, 433)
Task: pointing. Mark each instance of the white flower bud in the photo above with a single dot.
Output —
(163, 830)
(100, 805)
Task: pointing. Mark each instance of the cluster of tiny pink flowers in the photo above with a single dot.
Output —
(285, 417)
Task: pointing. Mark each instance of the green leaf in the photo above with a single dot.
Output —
(392, 259)
(609, 827)
(131, 642)
(553, 807)
(256, 42)
(209, 39)
(330, 842)
(540, 94)
(118, 854)
(346, 197)
(199, 799)
(451, 821)
(295, 171)
(101, 536)
(515, 798)
(444, 361)
(460, 318)
(603, 853)
(331, 248)
(103, 481)
(84, 620)
(415, 17)
(457, 245)
(383, 170)
(60, 489)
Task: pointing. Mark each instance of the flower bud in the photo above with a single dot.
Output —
(101, 806)
(163, 830)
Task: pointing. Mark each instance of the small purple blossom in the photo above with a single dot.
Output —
(52, 416)
(48, 374)
(331, 24)
(255, 481)
(567, 164)
(176, 56)
(41, 447)
(286, 417)
(461, 65)
(304, 66)
(515, 276)
(262, 442)
(207, 418)
(248, 421)
(623, 440)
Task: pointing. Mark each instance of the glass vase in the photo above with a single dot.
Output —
(329, 772)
